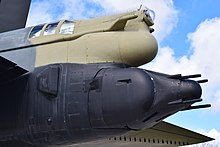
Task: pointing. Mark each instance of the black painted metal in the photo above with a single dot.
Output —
(9, 70)
(13, 14)
(197, 107)
(71, 103)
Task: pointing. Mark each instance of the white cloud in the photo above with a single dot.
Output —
(213, 133)
(53, 10)
(205, 47)
(166, 14)
(216, 101)
(39, 14)
(50, 10)
(168, 63)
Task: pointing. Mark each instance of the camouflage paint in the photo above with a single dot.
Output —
(123, 38)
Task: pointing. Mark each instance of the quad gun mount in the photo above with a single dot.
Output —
(72, 99)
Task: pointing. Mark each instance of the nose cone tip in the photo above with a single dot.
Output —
(191, 90)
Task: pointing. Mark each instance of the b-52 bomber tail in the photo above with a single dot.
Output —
(76, 82)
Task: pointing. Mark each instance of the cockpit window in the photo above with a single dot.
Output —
(150, 14)
(51, 28)
(67, 27)
(35, 32)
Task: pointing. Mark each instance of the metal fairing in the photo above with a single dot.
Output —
(76, 103)
(71, 103)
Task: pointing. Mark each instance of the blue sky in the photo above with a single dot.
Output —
(188, 32)
(191, 14)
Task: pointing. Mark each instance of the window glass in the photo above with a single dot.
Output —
(35, 32)
(67, 27)
(51, 29)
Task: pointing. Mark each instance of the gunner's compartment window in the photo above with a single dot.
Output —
(35, 32)
(67, 27)
(51, 29)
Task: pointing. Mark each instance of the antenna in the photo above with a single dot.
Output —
(140, 7)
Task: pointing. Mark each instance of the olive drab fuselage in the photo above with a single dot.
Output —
(123, 38)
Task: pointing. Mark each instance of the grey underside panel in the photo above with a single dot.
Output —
(14, 39)
(13, 14)
(23, 58)
(12, 47)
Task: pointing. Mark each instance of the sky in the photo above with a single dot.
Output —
(188, 33)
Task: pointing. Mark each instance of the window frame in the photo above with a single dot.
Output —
(62, 23)
(53, 31)
(32, 34)
(43, 27)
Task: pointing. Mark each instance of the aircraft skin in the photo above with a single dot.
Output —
(72, 82)
(99, 40)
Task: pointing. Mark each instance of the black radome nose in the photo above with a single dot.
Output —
(190, 90)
